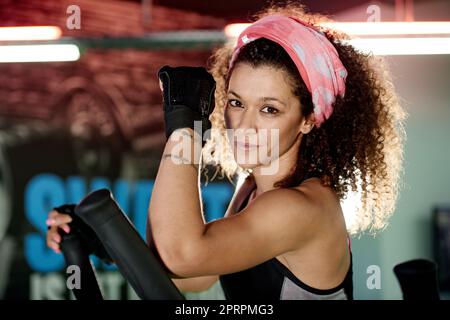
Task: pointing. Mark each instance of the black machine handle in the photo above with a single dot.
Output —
(418, 279)
(76, 253)
(125, 246)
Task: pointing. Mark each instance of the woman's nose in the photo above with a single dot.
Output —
(246, 131)
(247, 120)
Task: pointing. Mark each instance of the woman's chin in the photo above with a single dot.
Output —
(269, 163)
(247, 166)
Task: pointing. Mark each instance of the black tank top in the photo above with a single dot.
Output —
(272, 280)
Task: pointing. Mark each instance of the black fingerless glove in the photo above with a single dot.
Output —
(188, 94)
(87, 236)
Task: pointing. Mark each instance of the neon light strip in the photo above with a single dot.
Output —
(39, 53)
(29, 33)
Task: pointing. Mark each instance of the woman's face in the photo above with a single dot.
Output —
(264, 115)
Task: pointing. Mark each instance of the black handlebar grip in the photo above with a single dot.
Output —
(418, 279)
(126, 247)
(75, 253)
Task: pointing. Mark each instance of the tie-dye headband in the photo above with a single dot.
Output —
(315, 57)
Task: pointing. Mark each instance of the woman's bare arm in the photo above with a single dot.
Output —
(197, 284)
(277, 221)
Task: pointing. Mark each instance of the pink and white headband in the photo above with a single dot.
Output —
(315, 57)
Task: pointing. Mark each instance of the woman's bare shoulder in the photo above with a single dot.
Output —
(323, 197)
(314, 189)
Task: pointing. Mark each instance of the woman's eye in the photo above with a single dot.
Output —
(234, 103)
(270, 110)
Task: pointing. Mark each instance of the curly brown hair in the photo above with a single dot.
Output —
(359, 147)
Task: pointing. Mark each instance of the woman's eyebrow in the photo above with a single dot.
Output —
(234, 94)
(272, 99)
(262, 98)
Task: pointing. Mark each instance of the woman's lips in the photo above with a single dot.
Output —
(245, 145)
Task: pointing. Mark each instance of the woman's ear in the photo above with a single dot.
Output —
(307, 124)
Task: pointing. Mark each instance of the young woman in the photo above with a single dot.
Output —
(337, 123)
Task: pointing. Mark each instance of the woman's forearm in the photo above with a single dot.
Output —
(175, 207)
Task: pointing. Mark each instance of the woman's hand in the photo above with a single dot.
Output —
(56, 220)
(188, 96)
